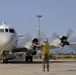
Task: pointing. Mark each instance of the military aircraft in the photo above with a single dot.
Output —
(8, 43)
(9, 48)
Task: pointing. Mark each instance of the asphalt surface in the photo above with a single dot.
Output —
(57, 67)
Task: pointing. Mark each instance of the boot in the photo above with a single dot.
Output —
(43, 70)
(47, 69)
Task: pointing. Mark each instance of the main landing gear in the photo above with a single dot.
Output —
(29, 58)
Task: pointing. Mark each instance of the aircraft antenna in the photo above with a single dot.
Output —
(3, 23)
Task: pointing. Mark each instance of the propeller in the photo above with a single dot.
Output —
(24, 39)
(64, 39)
(59, 50)
(69, 33)
(72, 41)
(54, 36)
(41, 36)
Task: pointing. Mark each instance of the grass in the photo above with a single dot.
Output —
(55, 56)
(58, 56)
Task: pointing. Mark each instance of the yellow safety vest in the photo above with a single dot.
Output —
(45, 48)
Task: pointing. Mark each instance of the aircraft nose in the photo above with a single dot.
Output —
(4, 42)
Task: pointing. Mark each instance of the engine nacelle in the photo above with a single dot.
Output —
(64, 41)
(35, 41)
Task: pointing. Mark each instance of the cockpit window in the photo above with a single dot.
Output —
(1, 30)
(6, 30)
(11, 30)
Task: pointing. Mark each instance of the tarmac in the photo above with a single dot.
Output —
(57, 67)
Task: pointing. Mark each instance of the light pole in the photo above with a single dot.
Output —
(39, 16)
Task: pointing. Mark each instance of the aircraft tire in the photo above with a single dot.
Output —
(26, 58)
(5, 61)
(31, 59)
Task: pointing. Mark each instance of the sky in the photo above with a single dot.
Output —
(57, 16)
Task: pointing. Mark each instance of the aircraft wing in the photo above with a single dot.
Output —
(21, 45)
(53, 46)
(26, 47)
(59, 46)
(73, 43)
(19, 49)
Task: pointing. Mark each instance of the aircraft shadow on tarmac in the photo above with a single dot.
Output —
(38, 62)
(23, 62)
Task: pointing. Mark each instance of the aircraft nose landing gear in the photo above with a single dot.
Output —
(5, 60)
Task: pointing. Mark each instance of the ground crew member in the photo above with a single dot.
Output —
(45, 53)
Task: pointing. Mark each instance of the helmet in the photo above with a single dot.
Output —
(45, 40)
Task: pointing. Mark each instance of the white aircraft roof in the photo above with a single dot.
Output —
(4, 25)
